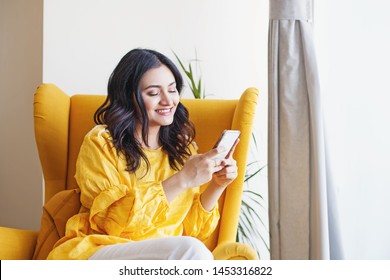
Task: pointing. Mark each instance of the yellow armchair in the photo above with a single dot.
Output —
(61, 122)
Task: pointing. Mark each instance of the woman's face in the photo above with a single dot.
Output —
(160, 96)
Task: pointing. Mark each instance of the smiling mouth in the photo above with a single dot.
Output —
(164, 111)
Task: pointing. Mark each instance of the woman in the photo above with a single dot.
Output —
(139, 172)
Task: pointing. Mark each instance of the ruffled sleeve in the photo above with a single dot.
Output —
(111, 202)
(199, 222)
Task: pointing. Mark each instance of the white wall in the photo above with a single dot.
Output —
(84, 40)
(353, 49)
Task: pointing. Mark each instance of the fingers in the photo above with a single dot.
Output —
(228, 162)
(214, 152)
(225, 177)
(216, 165)
(227, 173)
(228, 169)
(228, 166)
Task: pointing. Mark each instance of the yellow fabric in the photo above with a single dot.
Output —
(118, 206)
(80, 122)
(51, 125)
(61, 122)
(17, 244)
(234, 251)
(56, 212)
(242, 120)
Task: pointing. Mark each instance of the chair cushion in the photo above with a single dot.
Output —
(56, 213)
(17, 244)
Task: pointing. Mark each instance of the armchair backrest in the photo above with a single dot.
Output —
(61, 122)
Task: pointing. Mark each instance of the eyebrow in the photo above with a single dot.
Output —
(157, 86)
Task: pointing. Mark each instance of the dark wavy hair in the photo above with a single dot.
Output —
(124, 100)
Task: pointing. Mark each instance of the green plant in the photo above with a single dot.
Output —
(250, 220)
(252, 230)
(195, 85)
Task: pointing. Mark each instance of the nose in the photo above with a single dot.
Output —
(166, 98)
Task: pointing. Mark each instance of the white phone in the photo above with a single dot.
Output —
(227, 140)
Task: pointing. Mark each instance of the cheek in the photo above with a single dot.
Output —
(176, 100)
(150, 104)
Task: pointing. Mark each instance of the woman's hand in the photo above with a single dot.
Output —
(197, 170)
(203, 168)
(229, 171)
(221, 179)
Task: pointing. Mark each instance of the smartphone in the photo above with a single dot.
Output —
(227, 140)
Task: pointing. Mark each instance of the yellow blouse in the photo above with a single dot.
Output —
(119, 206)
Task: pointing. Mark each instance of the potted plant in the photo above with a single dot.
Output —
(251, 228)
(195, 84)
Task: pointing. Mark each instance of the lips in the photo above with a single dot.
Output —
(165, 111)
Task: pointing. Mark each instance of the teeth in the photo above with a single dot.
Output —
(164, 111)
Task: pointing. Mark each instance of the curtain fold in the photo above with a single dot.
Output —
(298, 186)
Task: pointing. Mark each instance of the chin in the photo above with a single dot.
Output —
(166, 123)
(162, 123)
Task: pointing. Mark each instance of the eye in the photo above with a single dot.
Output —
(153, 93)
(172, 90)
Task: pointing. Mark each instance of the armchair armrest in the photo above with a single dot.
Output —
(17, 244)
(234, 251)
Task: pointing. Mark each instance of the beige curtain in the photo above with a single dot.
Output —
(303, 218)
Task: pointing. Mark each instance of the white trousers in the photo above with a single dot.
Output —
(168, 248)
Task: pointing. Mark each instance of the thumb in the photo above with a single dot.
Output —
(214, 152)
